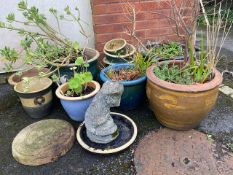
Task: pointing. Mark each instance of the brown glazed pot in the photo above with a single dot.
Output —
(181, 107)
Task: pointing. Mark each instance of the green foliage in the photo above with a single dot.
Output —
(174, 74)
(141, 63)
(200, 71)
(10, 17)
(79, 81)
(212, 17)
(50, 46)
(195, 72)
(167, 51)
(9, 54)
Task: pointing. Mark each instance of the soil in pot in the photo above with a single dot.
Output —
(115, 45)
(134, 84)
(85, 91)
(123, 74)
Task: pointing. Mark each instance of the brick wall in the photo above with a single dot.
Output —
(110, 20)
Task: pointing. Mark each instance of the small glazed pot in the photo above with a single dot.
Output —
(14, 79)
(121, 58)
(92, 56)
(35, 96)
(134, 90)
(115, 45)
(76, 107)
(181, 107)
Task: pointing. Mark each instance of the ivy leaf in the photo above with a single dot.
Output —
(79, 61)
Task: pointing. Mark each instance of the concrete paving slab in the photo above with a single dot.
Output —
(169, 152)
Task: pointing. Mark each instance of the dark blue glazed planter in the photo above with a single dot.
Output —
(92, 55)
(134, 90)
(76, 107)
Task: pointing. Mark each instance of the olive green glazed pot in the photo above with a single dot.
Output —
(36, 96)
(181, 107)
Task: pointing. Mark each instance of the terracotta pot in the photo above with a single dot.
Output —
(181, 107)
(35, 96)
(76, 107)
(14, 79)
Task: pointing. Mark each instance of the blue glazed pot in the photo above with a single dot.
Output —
(134, 90)
(76, 107)
(92, 55)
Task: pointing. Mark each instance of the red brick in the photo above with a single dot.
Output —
(110, 20)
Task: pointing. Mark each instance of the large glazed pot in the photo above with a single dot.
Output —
(76, 107)
(181, 107)
(92, 56)
(36, 96)
(134, 90)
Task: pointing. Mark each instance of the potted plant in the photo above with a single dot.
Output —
(182, 93)
(115, 45)
(77, 94)
(132, 76)
(162, 51)
(35, 95)
(123, 56)
(47, 46)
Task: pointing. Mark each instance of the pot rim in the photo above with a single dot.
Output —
(13, 83)
(122, 56)
(88, 61)
(50, 82)
(112, 50)
(104, 78)
(62, 97)
(215, 82)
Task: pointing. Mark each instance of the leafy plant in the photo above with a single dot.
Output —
(141, 63)
(174, 74)
(51, 46)
(78, 83)
(166, 51)
(10, 55)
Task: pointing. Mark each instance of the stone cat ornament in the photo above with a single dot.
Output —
(98, 121)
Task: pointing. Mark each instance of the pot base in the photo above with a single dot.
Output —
(127, 135)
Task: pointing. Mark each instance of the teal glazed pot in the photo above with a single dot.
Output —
(134, 90)
(76, 107)
(36, 96)
(92, 55)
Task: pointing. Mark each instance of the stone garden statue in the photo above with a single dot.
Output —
(99, 124)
